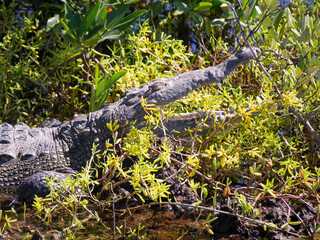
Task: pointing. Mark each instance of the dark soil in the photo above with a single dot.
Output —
(276, 211)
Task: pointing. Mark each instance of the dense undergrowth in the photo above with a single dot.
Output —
(266, 151)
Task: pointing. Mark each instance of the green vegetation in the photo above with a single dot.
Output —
(268, 150)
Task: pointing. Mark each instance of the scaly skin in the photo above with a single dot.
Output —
(27, 155)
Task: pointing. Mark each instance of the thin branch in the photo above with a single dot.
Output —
(100, 65)
(291, 210)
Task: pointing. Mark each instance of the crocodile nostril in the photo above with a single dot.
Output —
(28, 157)
(5, 158)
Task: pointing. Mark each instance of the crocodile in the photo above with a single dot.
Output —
(29, 155)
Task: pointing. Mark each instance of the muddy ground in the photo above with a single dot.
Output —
(170, 222)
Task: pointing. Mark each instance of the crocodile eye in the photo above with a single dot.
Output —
(28, 157)
(5, 158)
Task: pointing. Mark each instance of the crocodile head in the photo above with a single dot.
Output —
(164, 91)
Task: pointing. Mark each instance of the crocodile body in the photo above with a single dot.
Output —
(54, 148)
